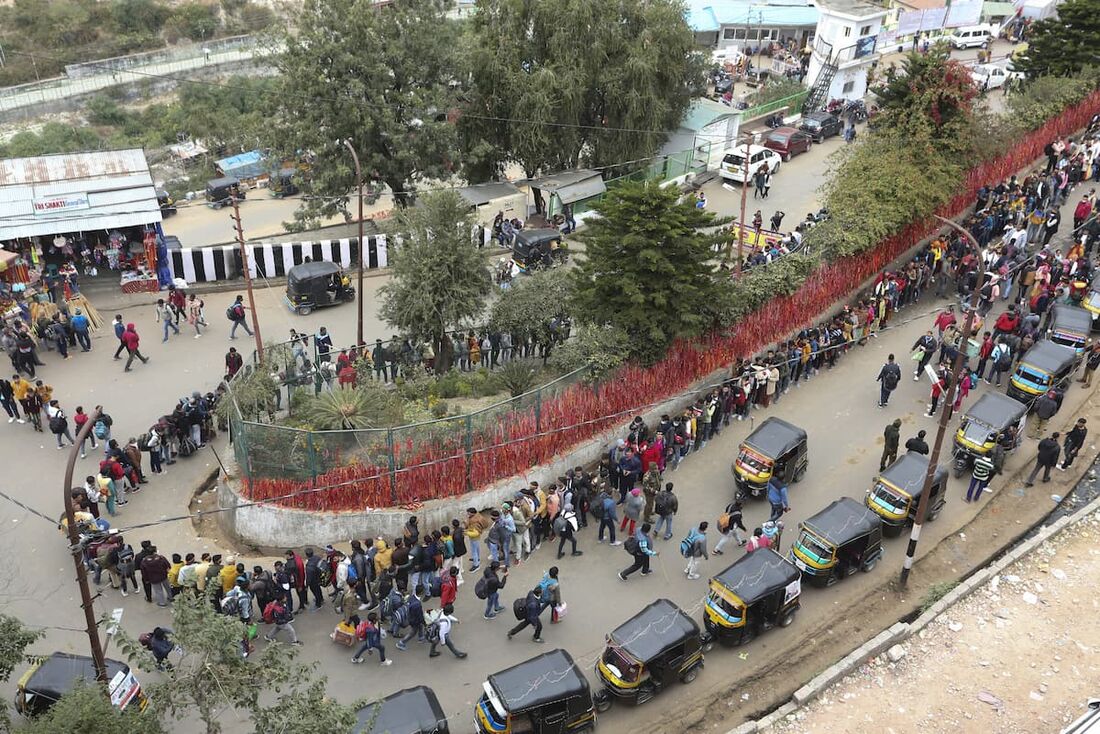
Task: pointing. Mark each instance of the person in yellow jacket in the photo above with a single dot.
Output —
(229, 574)
(382, 557)
(174, 574)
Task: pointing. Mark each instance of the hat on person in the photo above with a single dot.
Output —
(635, 491)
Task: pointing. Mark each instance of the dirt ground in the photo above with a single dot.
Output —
(1013, 657)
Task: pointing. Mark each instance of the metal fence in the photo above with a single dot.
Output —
(357, 469)
(793, 102)
(661, 170)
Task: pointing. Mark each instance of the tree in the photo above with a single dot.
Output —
(573, 67)
(440, 279)
(376, 76)
(931, 95)
(364, 407)
(211, 678)
(1064, 44)
(14, 641)
(88, 710)
(529, 306)
(646, 269)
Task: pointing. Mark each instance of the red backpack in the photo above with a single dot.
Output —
(269, 612)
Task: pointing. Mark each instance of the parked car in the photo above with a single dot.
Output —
(972, 36)
(821, 125)
(733, 163)
(788, 142)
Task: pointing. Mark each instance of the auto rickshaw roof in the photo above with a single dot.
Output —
(1050, 357)
(411, 711)
(775, 437)
(545, 679)
(1072, 318)
(907, 473)
(996, 410)
(531, 237)
(59, 673)
(310, 271)
(222, 183)
(842, 521)
(757, 575)
(657, 628)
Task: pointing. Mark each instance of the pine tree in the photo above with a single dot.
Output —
(1065, 44)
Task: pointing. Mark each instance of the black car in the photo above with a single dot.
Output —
(821, 125)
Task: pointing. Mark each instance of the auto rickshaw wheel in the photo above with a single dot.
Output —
(870, 565)
(798, 475)
(602, 700)
(786, 619)
(831, 579)
(305, 310)
(708, 644)
(959, 471)
(934, 513)
(689, 675)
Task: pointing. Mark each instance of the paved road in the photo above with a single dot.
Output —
(841, 462)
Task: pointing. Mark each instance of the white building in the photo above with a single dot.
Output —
(844, 49)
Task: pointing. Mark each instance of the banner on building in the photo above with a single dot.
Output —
(964, 13)
(909, 22)
(933, 19)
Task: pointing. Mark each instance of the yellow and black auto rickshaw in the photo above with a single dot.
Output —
(544, 695)
(52, 676)
(316, 285)
(1046, 366)
(284, 182)
(1091, 302)
(843, 538)
(657, 646)
(759, 591)
(896, 492)
(983, 425)
(776, 448)
(1069, 327)
(222, 191)
(538, 249)
(411, 711)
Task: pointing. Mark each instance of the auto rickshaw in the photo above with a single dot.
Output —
(221, 192)
(51, 677)
(655, 647)
(1091, 302)
(759, 591)
(896, 492)
(166, 203)
(1046, 366)
(983, 426)
(544, 695)
(776, 448)
(411, 711)
(537, 249)
(282, 183)
(843, 538)
(1069, 327)
(316, 285)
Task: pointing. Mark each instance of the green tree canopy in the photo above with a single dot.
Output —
(646, 268)
(376, 76)
(575, 67)
(532, 302)
(86, 709)
(930, 95)
(1064, 44)
(14, 641)
(440, 279)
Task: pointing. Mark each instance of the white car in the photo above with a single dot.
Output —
(992, 76)
(733, 163)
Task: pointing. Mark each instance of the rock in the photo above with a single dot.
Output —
(896, 653)
(1042, 688)
(987, 697)
(1036, 696)
(1002, 613)
(1058, 574)
(957, 626)
(1012, 579)
(1030, 598)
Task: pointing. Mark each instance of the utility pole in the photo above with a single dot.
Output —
(236, 216)
(945, 414)
(78, 561)
(362, 245)
(744, 194)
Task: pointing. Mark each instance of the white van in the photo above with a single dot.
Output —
(972, 36)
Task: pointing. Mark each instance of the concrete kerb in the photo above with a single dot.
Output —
(900, 632)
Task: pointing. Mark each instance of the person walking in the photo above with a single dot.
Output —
(665, 505)
(939, 387)
(195, 315)
(694, 547)
(605, 509)
(891, 436)
(979, 478)
(632, 511)
(313, 564)
(167, 314)
(280, 618)
(641, 549)
(79, 419)
(566, 526)
(1045, 408)
(81, 325)
(439, 632)
(777, 498)
(133, 341)
(651, 485)
(730, 524)
(1073, 443)
(59, 424)
(233, 363)
(493, 583)
(1092, 361)
(8, 400)
(1047, 457)
(235, 314)
(888, 377)
(371, 635)
(154, 571)
(474, 529)
(414, 615)
(120, 330)
(923, 350)
(533, 605)
(917, 444)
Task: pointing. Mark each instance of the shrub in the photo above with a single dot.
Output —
(517, 377)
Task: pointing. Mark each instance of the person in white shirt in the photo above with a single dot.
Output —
(443, 621)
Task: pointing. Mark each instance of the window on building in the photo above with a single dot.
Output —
(727, 34)
(739, 34)
(848, 87)
(865, 30)
(847, 31)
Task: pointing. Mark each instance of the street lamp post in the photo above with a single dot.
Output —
(945, 414)
(362, 245)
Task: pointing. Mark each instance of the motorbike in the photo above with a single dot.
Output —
(774, 121)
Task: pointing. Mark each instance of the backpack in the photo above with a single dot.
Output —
(1004, 361)
(687, 545)
(58, 424)
(631, 545)
(125, 562)
(362, 629)
(436, 586)
(353, 575)
(231, 605)
(724, 522)
(559, 525)
(324, 573)
(481, 588)
(433, 632)
(519, 608)
(100, 429)
(269, 613)
(596, 507)
(143, 442)
(660, 504)
(891, 379)
(400, 615)
(187, 446)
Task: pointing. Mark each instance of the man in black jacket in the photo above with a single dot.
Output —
(533, 607)
(889, 377)
(1075, 439)
(313, 578)
(917, 444)
(146, 551)
(364, 571)
(1045, 408)
(1047, 458)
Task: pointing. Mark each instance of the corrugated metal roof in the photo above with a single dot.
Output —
(712, 15)
(483, 193)
(244, 165)
(703, 112)
(69, 166)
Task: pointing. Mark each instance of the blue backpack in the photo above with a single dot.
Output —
(687, 545)
(353, 575)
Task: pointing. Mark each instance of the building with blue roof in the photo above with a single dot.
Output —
(748, 24)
